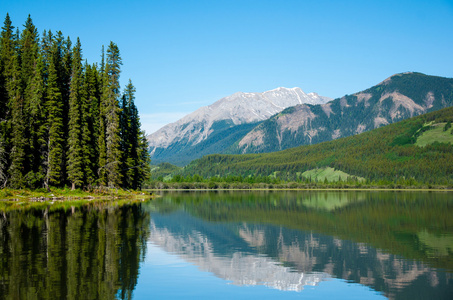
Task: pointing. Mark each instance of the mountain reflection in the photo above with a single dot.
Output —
(249, 243)
(241, 268)
(92, 252)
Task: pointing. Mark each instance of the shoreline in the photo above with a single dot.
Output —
(305, 189)
(67, 195)
(62, 195)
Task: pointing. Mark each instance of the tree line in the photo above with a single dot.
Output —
(386, 156)
(64, 121)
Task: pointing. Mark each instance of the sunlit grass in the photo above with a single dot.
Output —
(437, 134)
(65, 198)
(331, 174)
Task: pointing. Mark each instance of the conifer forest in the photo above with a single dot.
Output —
(64, 121)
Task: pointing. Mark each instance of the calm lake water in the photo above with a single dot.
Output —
(234, 245)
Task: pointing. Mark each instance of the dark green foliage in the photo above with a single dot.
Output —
(17, 138)
(447, 126)
(380, 155)
(55, 106)
(110, 98)
(409, 136)
(92, 251)
(91, 123)
(162, 170)
(59, 118)
(37, 128)
(76, 143)
(135, 157)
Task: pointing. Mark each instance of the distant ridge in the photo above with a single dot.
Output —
(232, 116)
(276, 120)
(391, 153)
(398, 97)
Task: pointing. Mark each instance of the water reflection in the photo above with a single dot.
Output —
(393, 244)
(88, 253)
(389, 242)
(240, 268)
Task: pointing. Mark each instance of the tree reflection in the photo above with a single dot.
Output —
(92, 252)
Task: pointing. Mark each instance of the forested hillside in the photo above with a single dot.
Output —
(64, 121)
(223, 135)
(389, 153)
(397, 98)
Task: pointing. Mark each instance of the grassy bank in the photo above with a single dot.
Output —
(66, 198)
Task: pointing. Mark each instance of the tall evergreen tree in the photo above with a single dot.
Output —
(37, 112)
(55, 159)
(29, 51)
(144, 162)
(127, 136)
(90, 130)
(77, 120)
(102, 161)
(32, 89)
(64, 77)
(7, 55)
(110, 97)
(17, 125)
(135, 161)
(47, 41)
(60, 120)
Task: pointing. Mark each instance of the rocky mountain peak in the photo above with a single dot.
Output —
(238, 108)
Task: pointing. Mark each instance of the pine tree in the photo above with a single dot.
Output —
(55, 159)
(111, 92)
(76, 145)
(7, 55)
(32, 90)
(17, 125)
(29, 51)
(90, 129)
(134, 147)
(47, 41)
(144, 162)
(61, 121)
(64, 78)
(102, 161)
(37, 111)
(128, 142)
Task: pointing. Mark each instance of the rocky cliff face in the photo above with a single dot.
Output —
(285, 118)
(179, 138)
(399, 97)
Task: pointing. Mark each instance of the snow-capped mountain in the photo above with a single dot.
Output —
(226, 116)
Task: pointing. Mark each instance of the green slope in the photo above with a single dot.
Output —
(181, 153)
(435, 133)
(329, 174)
(386, 153)
(163, 170)
(397, 98)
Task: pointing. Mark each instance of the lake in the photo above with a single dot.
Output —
(233, 245)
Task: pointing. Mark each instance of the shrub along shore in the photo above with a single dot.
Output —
(67, 194)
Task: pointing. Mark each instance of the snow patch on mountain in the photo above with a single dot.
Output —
(238, 108)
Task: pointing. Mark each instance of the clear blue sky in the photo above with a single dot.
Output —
(182, 55)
